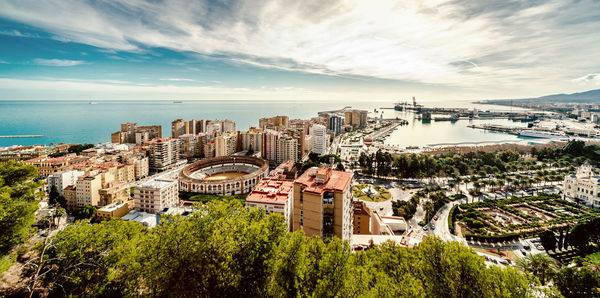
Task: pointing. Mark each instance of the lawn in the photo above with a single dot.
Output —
(371, 193)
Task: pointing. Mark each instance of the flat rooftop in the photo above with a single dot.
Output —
(336, 180)
(273, 191)
(157, 183)
(112, 207)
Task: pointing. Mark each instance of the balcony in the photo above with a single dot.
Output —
(328, 202)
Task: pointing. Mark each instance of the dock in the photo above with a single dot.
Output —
(22, 136)
(494, 127)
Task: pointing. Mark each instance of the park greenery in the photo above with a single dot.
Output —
(205, 198)
(505, 219)
(314, 160)
(19, 196)
(480, 163)
(371, 193)
(225, 249)
(582, 280)
(434, 197)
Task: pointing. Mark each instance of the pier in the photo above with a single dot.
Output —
(494, 127)
(22, 136)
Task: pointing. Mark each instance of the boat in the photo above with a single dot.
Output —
(93, 103)
(398, 107)
(177, 101)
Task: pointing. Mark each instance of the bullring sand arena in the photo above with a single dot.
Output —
(226, 175)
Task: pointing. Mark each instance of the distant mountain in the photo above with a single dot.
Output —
(592, 96)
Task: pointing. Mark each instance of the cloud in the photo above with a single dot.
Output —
(57, 62)
(593, 78)
(178, 80)
(478, 44)
(17, 33)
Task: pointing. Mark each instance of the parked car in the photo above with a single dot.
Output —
(425, 228)
(432, 227)
(435, 217)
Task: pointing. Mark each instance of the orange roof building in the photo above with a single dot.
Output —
(273, 195)
(323, 203)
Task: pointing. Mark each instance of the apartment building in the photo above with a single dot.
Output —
(130, 133)
(250, 140)
(323, 203)
(269, 144)
(112, 192)
(275, 123)
(209, 149)
(70, 194)
(63, 179)
(274, 196)
(49, 165)
(355, 118)
(181, 127)
(189, 146)
(87, 190)
(287, 148)
(163, 153)
(155, 195)
(114, 210)
(226, 144)
(320, 139)
(335, 124)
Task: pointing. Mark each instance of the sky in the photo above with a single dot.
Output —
(297, 50)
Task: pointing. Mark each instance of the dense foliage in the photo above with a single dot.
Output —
(225, 249)
(18, 203)
(482, 163)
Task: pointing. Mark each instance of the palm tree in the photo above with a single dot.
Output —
(541, 265)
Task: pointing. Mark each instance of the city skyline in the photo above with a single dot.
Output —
(388, 50)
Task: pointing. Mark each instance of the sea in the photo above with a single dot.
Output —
(93, 122)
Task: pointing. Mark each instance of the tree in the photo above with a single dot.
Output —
(577, 282)
(92, 259)
(226, 249)
(548, 240)
(53, 195)
(579, 236)
(18, 203)
(87, 211)
(540, 265)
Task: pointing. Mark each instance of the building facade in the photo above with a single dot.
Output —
(323, 203)
(274, 196)
(287, 148)
(320, 139)
(583, 186)
(163, 153)
(155, 195)
(63, 179)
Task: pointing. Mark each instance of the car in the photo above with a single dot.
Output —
(435, 217)
(527, 247)
(425, 228)
(380, 208)
(524, 253)
(432, 227)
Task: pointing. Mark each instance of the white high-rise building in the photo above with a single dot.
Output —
(63, 179)
(320, 139)
(155, 195)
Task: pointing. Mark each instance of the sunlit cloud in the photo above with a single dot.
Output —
(57, 62)
(525, 46)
